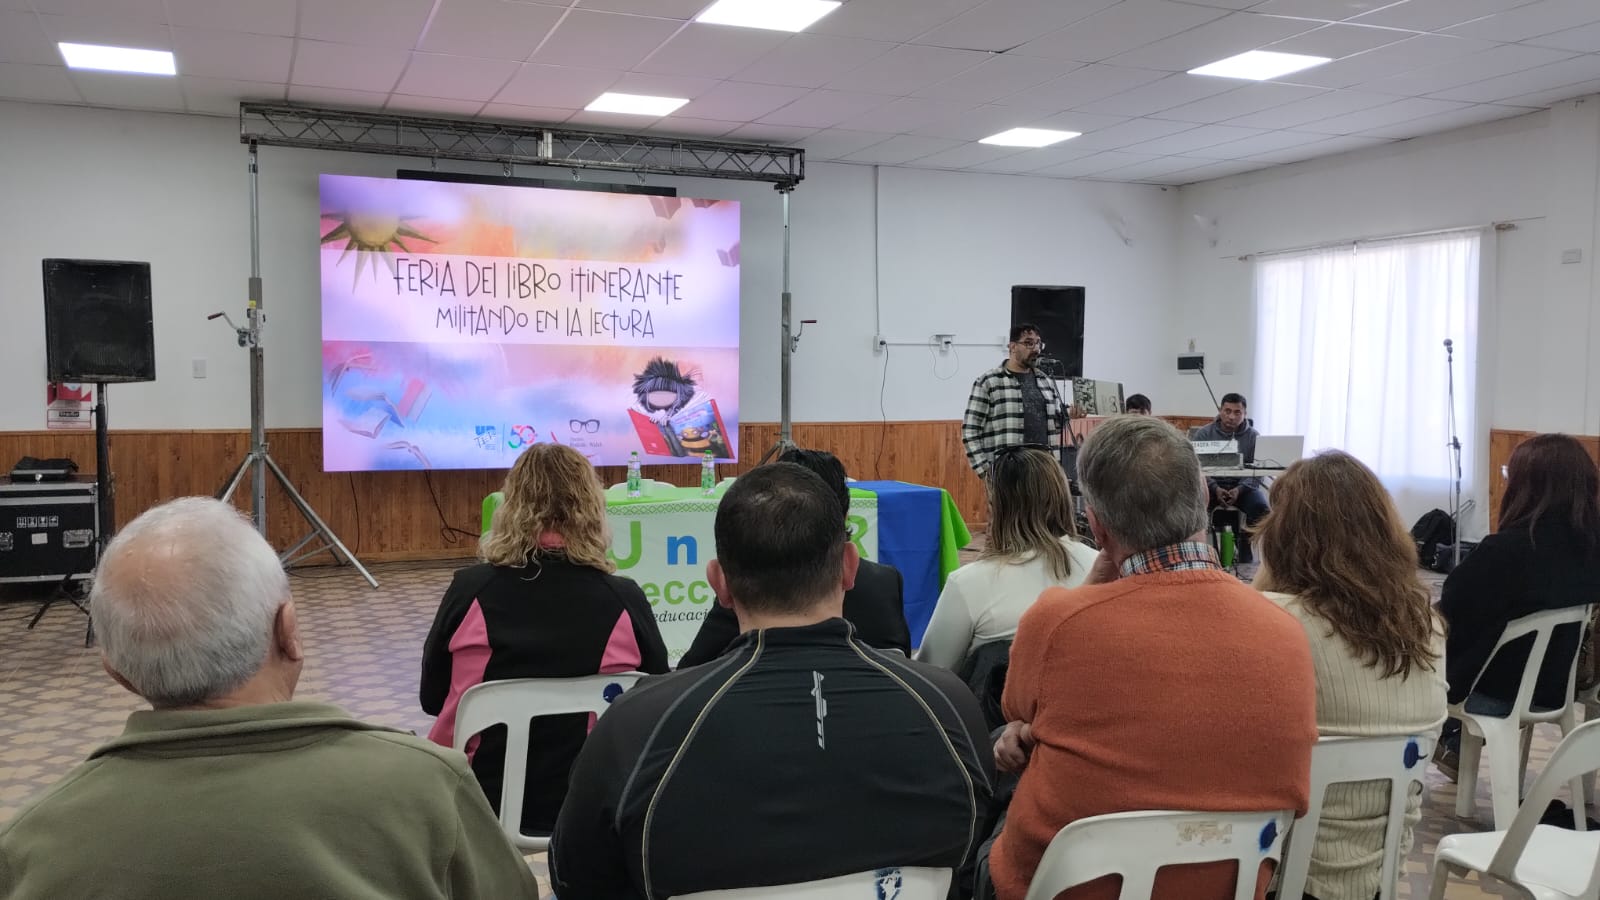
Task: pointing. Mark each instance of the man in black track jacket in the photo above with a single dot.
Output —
(799, 754)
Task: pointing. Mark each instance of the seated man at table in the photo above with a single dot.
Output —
(874, 605)
(1244, 494)
(1137, 405)
(800, 753)
(229, 787)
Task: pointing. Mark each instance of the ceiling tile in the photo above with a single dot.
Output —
(336, 97)
(682, 86)
(1081, 122)
(321, 64)
(1240, 102)
(1436, 15)
(1408, 55)
(1133, 131)
(133, 10)
(1194, 139)
(1311, 109)
(433, 106)
(996, 78)
(1154, 171)
(1219, 39)
(734, 101)
(811, 60)
(41, 84)
(1533, 20)
(907, 68)
(455, 77)
(1216, 170)
(1571, 71)
(604, 40)
(610, 121)
(1094, 164)
(683, 126)
(1083, 86)
(713, 51)
(221, 96)
(770, 134)
(1447, 121)
(982, 121)
(495, 29)
(1555, 95)
(1339, 41)
(558, 86)
(1174, 90)
(837, 143)
(22, 40)
(825, 109)
(535, 115)
(1584, 39)
(129, 92)
(901, 149)
(1379, 116)
(966, 156)
(1325, 10)
(1266, 142)
(1321, 148)
(1496, 61)
(1118, 29)
(232, 54)
(250, 16)
(1030, 160)
(113, 31)
(906, 114)
(395, 24)
(1001, 25)
(890, 20)
(661, 9)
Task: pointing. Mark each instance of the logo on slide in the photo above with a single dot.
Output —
(488, 437)
(519, 436)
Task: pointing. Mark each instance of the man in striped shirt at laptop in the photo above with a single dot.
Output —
(1012, 404)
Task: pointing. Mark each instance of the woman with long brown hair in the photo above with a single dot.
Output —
(543, 604)
(1337, 556)
(1544, 554)
(1032, 545)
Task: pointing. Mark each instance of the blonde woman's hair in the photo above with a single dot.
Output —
(1335, 540)
(1030, 510)
(550, 489)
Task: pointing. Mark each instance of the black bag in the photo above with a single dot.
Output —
(1444, 556)
(1434, 528)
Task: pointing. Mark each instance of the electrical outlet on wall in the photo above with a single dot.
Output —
(199, 368)
(1227, 368)
(879, 345)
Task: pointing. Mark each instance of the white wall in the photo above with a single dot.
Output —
(943, 248)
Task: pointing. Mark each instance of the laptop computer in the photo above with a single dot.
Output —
(1279, 450)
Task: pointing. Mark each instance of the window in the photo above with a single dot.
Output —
(1350, 353)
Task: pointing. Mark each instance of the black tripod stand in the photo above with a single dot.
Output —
(105, 521)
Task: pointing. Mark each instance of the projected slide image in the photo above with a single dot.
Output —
(461, 323)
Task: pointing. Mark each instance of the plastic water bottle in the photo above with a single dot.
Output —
(708, 475)
(635, 479)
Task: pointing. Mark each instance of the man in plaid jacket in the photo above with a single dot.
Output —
(1012, 404)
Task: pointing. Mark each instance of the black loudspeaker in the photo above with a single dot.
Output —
(1057, 311)
(97, 322)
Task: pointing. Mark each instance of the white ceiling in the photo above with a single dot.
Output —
(902, 82)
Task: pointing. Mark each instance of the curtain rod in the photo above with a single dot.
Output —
(1356, 242)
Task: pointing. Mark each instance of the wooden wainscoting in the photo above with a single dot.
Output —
(1501, 443)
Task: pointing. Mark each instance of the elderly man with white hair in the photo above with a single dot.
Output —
(227, 787)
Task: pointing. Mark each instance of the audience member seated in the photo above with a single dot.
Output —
(875, 606)
(543, 604)
(1137, 405)
(1542, 556)
(1032, 545)
(1243, 494)
(227, 787)
(1162, 683)
(1337, 556)
(799, 754)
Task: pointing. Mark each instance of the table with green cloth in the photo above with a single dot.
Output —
(662, 540)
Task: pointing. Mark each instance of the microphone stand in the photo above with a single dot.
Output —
(1455, 446)
(1214, 404)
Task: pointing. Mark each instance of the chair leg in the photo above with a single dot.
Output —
(1580, 808)
(1505, 770)
(1441, 879)
(1467, 777)
(1524, 751)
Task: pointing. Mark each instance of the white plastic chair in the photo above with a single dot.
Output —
(1136, 845)
(1398, 760)
(1547, 862)
(1506, 739)
(648, 487)
(908, 883)
(513, 703)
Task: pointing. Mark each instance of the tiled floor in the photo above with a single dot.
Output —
(363, 652)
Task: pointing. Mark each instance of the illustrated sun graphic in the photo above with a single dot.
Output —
(372, 235)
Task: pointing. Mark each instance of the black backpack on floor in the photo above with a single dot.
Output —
(1434, 528)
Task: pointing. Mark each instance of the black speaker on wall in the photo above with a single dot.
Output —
(98, 326)
(1057, 311)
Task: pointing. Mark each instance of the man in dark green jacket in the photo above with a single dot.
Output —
(228, 788)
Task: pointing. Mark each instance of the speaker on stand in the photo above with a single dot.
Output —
(99, 329)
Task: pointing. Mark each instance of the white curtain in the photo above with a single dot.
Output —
(1350, 353)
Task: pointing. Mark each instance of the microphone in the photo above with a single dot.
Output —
(1448, 343)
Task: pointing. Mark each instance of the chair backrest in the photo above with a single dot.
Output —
(893, 883)
(513, 703)
(1398, 760)
(1136, 845)
(1541, 625)
(1577, 754)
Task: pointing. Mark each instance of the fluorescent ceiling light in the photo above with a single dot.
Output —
(118, 59)
(1029, 137)
(1259, 65)
(634, 104)
(774, 15)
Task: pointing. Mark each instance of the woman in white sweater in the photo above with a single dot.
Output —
(1032, 545)
(1336, 555)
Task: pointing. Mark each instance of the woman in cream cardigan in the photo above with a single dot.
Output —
(1336, 555)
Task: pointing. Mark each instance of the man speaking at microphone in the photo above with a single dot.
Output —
(1012, 405)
